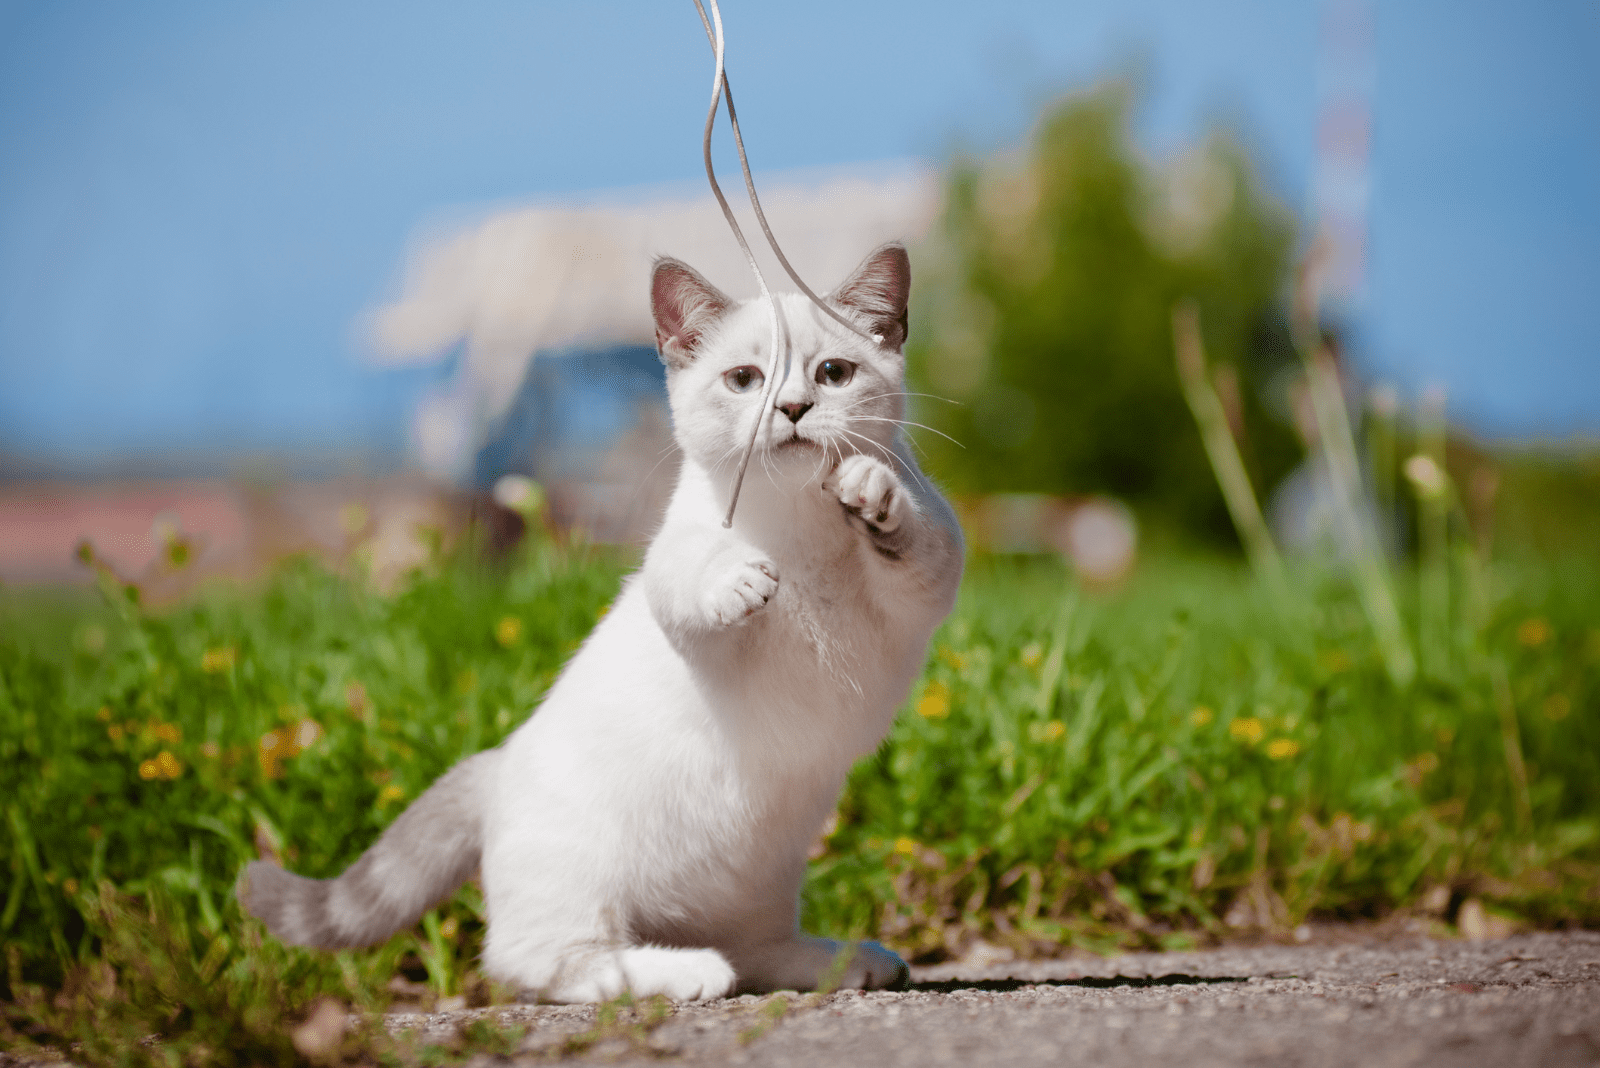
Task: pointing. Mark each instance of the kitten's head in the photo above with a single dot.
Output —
(836, 393)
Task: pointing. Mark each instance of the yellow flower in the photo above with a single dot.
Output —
(1556, 706)
(1247, 730)
(905, 846)
(449, 927)
(1032, 653)
(169, 766)
(269, 751)
(149, 769)
(935, 702)
(170, 733)
(508, 631)
(210, 749)
(215, 661)
(115, 732)
(1052, 730)
(1200, 716)
(104, 715)
(1533, 632)
(1283, 748)
(390, 793)
(71, 887)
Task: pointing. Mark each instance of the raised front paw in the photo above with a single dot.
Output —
(869, 488)
(740, 592)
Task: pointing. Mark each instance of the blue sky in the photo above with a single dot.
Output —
(198, 200)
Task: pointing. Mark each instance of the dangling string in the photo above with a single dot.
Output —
(720, 89)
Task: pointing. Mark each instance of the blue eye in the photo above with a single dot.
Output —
(744, 379)
(835, 372)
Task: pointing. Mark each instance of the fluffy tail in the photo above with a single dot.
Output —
(430, 850)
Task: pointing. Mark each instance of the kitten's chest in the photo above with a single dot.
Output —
(828, 636)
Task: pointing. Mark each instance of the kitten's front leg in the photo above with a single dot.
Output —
(738, 590)
(910, 525)
(874, 496)
(701, 582)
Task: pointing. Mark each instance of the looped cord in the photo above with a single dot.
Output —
(720, 89)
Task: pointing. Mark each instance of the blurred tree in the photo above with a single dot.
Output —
(1047, 308)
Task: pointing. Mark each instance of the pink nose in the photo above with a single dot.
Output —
(794, 411)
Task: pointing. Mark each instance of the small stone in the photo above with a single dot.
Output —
(319, 1037)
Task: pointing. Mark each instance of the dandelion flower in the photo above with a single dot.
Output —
(390, 793)
(449, 927)
(935, 702)
(170, 733)
(1032, 653)
(1200, 716)
(905, 846)
(269, 751)
(1283, 748)
(508, 631)
(1052, 731)
(216, 661)
(149, 769)
(1533, 632)
(1247, 730)
(169, 766)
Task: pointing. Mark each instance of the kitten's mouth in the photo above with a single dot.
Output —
(796, 441)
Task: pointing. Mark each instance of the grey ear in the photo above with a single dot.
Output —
(684, 305)
(879, 291)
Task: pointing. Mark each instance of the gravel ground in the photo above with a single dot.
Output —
(1343, 999)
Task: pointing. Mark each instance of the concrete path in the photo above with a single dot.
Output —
(1529, 1000)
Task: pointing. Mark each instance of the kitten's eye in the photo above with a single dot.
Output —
(744, 379)
(835, 372)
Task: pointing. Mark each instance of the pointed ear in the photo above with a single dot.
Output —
(879, 291)
(684, 305)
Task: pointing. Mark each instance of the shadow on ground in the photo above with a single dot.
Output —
(1006, 986)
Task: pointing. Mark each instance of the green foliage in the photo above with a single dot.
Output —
(1130, 771)
(1069, 771)
(1045, 312)
(163, 750)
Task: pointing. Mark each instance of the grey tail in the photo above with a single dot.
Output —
(432, 848)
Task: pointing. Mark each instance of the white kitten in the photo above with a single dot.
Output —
(647, 828)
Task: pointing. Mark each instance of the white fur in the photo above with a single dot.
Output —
(647, 827)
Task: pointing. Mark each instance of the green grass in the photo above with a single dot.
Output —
(1132, 770)
(1138, 768)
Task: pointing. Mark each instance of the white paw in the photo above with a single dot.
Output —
(740, 592)
(870, 489)
(680, 974)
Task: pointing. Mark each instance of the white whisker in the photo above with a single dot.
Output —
(907, 422)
